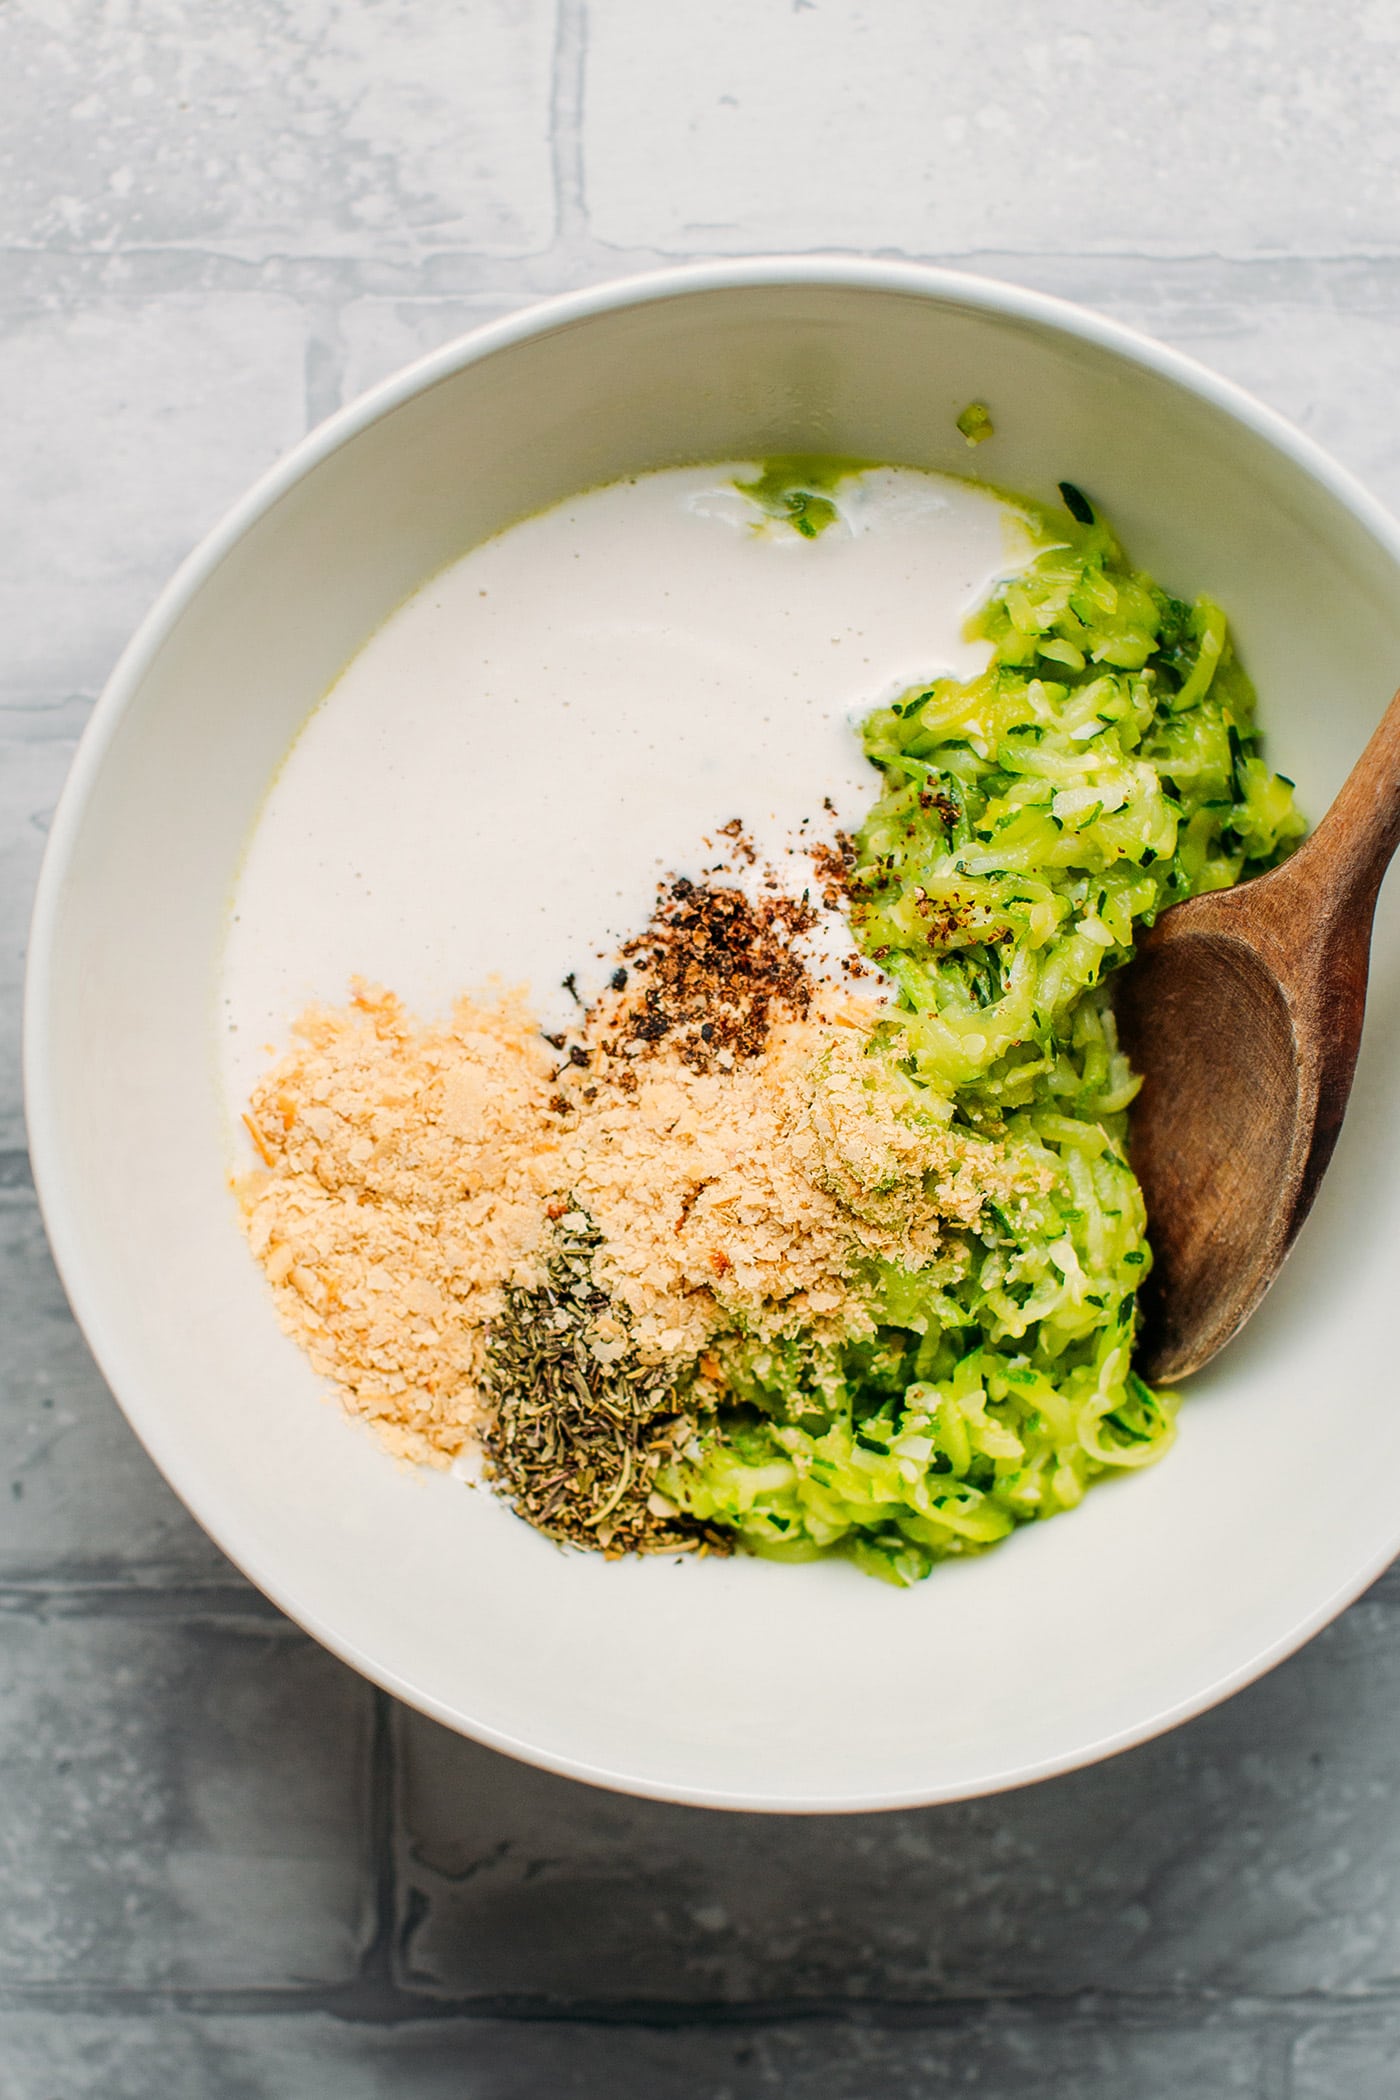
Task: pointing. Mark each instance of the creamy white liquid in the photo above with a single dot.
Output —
(500, 778)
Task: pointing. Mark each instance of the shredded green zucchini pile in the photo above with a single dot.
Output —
(1101, 768)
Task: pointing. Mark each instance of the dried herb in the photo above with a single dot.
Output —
(580, 1427)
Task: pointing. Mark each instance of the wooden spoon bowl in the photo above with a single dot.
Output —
(1243, 1009)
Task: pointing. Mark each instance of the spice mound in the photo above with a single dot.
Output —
(711, 974)
(563, 1252)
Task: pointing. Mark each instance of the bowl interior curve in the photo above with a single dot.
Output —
(739, 1683)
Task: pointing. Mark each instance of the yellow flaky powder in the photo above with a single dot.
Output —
(411, 1172)
(751, 1198)
(407, 1173)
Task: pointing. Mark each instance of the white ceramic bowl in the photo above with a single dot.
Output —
(739, 1684)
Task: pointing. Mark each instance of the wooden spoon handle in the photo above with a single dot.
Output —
(1353, 846)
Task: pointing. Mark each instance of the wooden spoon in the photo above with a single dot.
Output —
(1242, 1009)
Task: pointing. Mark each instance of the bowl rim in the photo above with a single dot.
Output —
(43, 1112)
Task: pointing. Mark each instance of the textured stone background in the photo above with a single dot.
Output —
(229, 1868)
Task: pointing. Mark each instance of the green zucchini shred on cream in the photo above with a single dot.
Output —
(796, 489)
(1103, 766)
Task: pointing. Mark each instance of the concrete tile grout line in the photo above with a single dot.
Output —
(570, 60)
(137, 1593)
(374, 2001)
(375, 1983)
(574, 258)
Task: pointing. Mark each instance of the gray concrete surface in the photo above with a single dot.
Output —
(229, 1870)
